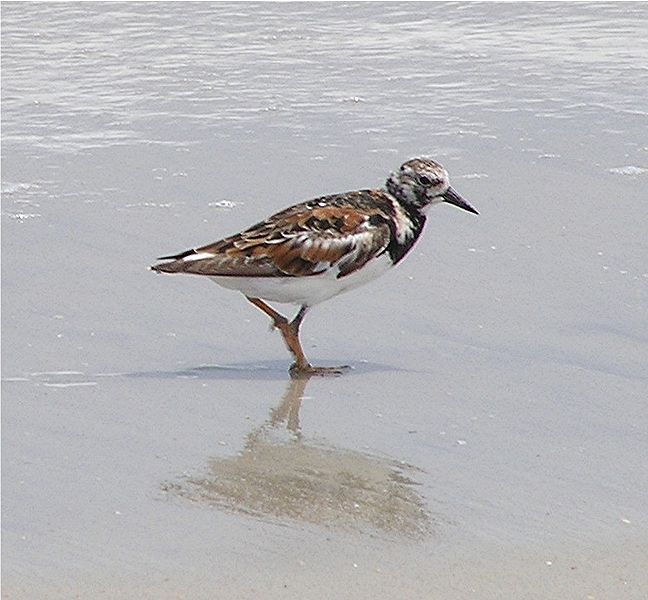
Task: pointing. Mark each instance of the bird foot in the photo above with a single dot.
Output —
(302, 372)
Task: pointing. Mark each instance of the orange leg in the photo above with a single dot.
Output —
(290, 333)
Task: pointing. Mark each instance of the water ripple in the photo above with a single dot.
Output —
(213, 64)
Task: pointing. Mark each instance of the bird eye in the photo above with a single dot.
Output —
(424, 180)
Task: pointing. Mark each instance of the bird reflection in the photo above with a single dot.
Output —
(280, 474)
(288, 409)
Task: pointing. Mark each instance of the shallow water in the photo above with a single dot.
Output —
(491, 437)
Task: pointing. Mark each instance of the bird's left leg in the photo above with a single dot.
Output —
(289, 332)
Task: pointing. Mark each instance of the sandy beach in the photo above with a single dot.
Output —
(490, 439)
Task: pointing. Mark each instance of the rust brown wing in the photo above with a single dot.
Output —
(303, 240)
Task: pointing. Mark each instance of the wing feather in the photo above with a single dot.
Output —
(303, 240)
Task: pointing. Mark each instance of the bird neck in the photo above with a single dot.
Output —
(408, 196)
(402, 194)
(412, 206)
(406, 227)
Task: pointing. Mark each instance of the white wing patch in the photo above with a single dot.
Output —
(198, 256)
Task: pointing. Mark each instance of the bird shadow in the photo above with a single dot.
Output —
(254, 371)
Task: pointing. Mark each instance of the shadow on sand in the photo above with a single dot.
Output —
(253, 371)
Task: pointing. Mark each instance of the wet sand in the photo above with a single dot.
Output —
(490, 440)
(191, 483)
(183, 487)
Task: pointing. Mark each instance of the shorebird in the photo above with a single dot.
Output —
(320, 248)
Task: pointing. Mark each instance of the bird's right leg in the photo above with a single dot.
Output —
(290, 333)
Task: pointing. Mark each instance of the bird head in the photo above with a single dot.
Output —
(422, 182)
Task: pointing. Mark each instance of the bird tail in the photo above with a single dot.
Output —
(173, 264)
(170, 267)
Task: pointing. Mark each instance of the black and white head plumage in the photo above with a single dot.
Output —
(422, 182)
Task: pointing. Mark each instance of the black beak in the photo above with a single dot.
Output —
(453, 198)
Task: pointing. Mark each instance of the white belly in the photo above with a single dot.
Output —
(305, 290)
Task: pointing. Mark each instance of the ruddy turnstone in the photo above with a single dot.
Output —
(315, 250)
